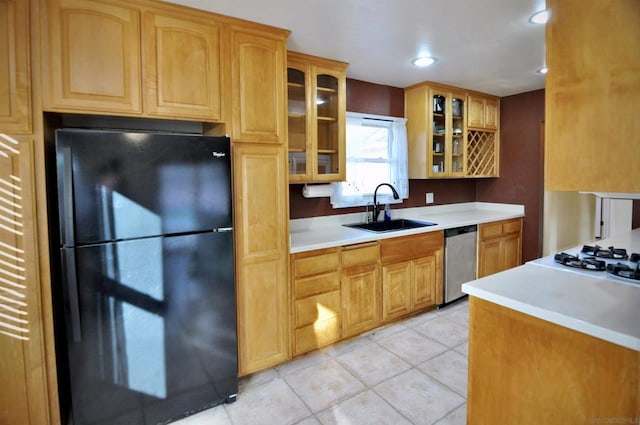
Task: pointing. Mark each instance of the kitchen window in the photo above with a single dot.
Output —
(376, 153)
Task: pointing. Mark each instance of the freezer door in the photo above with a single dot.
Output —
(156, 327)
(116, 186)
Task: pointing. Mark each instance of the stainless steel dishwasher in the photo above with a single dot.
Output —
(460, 247)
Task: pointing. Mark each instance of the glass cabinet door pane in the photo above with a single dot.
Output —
(457, 143)
(297, 121)
(327, 122)
(438, 144)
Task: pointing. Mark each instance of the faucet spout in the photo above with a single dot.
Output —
(376, 206)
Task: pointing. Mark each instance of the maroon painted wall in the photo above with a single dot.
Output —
(521, 165)
(376, 99)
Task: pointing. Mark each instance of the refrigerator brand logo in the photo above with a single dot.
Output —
(218, 154)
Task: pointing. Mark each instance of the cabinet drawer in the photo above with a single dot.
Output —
(490, 230)
(408, 247)
(316, 284)
(317, 335)
(362, 254)
(511, 226)
(317, 308)
(315, 262)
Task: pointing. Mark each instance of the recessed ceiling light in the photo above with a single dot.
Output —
(543, 70)
(423, 61)
(540, 17)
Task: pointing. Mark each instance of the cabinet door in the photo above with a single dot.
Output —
(489, 257)
(93, 56)
(427, 281)
(182, 68)
(396, 290)
(511, 251)
(491, 114)
(475, 117)
(261, 230)
(258, 87)
(15, 98)
(330, 124)
(360, 295)
(26, 397)
(299, 120)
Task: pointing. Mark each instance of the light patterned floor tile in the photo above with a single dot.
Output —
(444, 331)
(450, 368)
(372, 363)
(324, 384)
(412, 346)
(418, 397)
(213, 416)
(267, 404)
(457, 417)
(366, 408)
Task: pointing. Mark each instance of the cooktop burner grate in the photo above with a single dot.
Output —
(610, 253)
(589, 263)
(624, 271)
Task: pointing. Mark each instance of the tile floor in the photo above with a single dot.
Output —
(410, 372)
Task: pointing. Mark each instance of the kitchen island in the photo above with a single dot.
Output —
(550, 346)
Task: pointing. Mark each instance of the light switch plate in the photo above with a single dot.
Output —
(429, 198)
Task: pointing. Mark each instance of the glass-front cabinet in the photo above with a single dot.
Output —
(316, 118)
(446, 147)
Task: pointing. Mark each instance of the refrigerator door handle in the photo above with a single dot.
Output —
(69, 271)
(67, 198)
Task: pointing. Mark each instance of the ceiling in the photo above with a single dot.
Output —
(487, 45)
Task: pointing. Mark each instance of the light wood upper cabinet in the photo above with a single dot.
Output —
(258, 76)
(92, 56)
(483, 112)
(592, 96)
(261, 235)
(499, 246)
(15, 78)
(97, 49)
(182, 67)
(316, 90)
(436, 131)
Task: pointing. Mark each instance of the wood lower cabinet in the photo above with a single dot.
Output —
(258, 109)
(261, 235)
(182, 67)
(15, 78)
(499, 246)
(411, 273)
(360, 289)
(317, 303)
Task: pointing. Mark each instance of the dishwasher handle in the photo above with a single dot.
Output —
(460, 230)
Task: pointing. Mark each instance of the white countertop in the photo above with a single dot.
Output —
(326, 232)
(597, 306)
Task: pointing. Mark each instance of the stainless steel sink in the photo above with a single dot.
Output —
(390, 226)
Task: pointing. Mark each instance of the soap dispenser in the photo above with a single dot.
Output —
(387, 212)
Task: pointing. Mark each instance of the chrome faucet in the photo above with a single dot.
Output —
(376, 206)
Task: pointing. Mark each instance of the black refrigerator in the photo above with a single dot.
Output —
(146, 274)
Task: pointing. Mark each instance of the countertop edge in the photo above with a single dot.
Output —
(478, 213)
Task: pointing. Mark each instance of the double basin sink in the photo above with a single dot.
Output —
(390, 226)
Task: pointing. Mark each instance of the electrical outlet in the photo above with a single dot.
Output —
(429, 198)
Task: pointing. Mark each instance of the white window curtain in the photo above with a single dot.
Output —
(376, 153)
